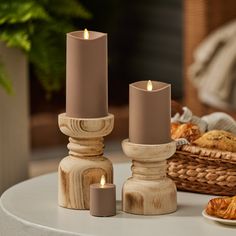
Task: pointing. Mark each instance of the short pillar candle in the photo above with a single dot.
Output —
(102, 198)
(149, 112)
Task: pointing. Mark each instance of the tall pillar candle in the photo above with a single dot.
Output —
(86, 74)
(149, 112)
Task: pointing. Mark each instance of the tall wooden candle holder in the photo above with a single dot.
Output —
(85, 164)
(149, 191)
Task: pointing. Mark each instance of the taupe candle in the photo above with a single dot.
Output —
(86, 74)
(149, 112)
(102, 199)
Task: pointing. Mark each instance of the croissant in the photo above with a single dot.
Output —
(188, 131)
(230, 212)
(222, 207)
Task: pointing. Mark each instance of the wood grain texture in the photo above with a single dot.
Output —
(149, 191)
(85, 164)
(86, 128)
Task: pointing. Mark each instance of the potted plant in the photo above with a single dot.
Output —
(31, 32)
(38, 28)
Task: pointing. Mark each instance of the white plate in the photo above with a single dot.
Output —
(223, 221)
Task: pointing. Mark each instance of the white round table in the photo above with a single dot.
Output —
(30, 209)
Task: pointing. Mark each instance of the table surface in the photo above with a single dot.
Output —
(30, 208)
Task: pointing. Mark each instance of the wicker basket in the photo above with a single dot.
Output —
(203, 170)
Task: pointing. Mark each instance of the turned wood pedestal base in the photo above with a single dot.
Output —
(149, 191)
(85, 164)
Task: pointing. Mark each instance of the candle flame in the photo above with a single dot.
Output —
(149, 85)
(103, 180)
(86, 34)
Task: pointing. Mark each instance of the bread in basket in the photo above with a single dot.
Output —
(207, 164)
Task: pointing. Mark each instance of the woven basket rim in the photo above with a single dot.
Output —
(206, 153)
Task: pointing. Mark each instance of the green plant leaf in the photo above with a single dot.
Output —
(49, 64)
(5, 82)
(69, 9)
(21, 11)
(18, 38)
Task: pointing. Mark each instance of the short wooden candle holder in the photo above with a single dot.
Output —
(149, 191)
(85, 164)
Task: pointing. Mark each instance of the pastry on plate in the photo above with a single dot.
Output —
(217, 139)
(224, 207)
(188, 131)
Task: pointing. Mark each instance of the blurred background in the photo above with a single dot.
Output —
(182, 42)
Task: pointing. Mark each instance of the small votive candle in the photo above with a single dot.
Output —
(102, 198)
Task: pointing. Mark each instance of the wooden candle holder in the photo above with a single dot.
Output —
(149, 191)
(85, 164)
